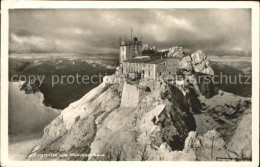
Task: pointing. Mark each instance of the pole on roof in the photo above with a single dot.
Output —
(131, 33)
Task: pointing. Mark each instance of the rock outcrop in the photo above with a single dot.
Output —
(195, 71)
(200, 63)
(241, 142)
(176, 52)
(150, 125)
(196, 62)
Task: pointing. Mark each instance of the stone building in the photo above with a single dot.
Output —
(142, 61)
(150, 68)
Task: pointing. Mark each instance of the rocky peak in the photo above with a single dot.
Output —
(176, 52)
(159, 124)
(197, 62)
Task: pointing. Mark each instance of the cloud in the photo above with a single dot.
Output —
(29, 44)
(216, 31)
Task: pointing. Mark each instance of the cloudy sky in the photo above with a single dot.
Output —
(95, 31)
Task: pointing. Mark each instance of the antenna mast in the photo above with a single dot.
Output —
(131, 33)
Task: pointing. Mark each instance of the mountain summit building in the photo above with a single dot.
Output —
(141, 61)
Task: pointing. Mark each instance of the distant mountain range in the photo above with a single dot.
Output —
(62, 95)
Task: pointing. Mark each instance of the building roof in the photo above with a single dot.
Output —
(156, 61)
(137, 60)
(146, 61)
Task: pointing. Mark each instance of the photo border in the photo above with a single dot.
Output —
(6, 5)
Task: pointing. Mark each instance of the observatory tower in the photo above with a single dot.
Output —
(129, 48)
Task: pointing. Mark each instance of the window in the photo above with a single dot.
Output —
(160, 73)
(169, 73)
(164, 64)
(149, 73)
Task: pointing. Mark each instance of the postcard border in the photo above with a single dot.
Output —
(6, 5)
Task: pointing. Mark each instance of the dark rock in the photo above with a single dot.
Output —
(31, 87)
(206, 85)
(177, 120)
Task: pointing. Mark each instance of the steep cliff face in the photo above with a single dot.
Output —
(160, 125)
(75, 128)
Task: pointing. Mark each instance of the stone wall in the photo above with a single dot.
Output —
(146, 70)
(166, 68)
(130, 95)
